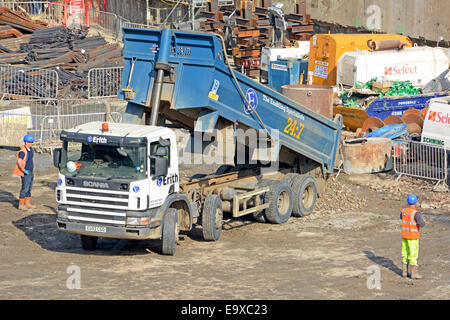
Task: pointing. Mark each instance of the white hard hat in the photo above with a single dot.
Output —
(71, 166)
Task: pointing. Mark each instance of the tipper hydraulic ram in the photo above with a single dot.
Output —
(122, 180)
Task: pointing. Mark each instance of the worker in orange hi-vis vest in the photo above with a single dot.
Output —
(24, 169)
(412, 222)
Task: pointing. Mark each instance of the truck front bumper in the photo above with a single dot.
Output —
(95, 230)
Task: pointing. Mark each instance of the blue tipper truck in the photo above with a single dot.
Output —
(186, 77)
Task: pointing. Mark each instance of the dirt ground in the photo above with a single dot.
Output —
(349, 248)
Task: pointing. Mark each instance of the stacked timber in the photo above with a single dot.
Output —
(252, 26)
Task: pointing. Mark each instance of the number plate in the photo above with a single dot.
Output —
(95, 229)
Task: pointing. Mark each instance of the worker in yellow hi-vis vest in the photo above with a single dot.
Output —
(412, 222)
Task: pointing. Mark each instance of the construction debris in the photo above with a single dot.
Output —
(68, 51)
(20, 20)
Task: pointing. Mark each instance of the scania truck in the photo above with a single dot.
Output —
(123, 180)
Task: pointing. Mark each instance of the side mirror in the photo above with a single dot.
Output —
(161, 166)
(57, 157)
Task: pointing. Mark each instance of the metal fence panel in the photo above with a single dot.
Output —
(51, 126)
(45, 119)
(157, 16)
(36, 9)
(104, 82)
(128, 24)
(28, 82)
(420, 160)
(104, 21)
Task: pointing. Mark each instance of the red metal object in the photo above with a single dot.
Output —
(93, 6)
(371, 124)
(413, 118)
(393, 119)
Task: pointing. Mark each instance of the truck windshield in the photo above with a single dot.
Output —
(92, 160)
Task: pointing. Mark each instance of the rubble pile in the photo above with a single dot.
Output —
(337, 198)
(390, 189)
(350, 194)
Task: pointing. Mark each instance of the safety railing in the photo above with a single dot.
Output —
(28, 82)
(51, 126)
(35, 9)
(157, 16)
(53, 13)
(45, 119)
(128, 24)
(203, 3)
(104, 82)
(421, 160)
(106, 22)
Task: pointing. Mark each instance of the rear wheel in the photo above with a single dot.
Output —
(170, 232)
(88, 242)
(290, 178)
(279, 198)
(212, 218)
(304, 191)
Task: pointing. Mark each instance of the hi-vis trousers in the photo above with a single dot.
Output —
(410, 251)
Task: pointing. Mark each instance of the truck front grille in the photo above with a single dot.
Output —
(97, 206)
(96, 197)
(94, 215)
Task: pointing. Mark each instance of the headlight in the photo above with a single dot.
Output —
(132, 221)
(62, 214)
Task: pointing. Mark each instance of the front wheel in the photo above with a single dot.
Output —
(170, 232)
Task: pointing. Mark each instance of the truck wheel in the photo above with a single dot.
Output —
(212, 218)
(170, 232)
(290, 178)
(279, 198)
(88, 242)
(304, 191)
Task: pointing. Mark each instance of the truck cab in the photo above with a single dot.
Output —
(118, 180)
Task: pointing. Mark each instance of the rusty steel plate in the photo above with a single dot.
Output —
(367, 155)
(411, 111)
(392, 119)
(371, 124)
(413, 118)
(413, 127)
(317, 98)
(424, 112)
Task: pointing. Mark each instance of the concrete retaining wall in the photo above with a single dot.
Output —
(415, 18)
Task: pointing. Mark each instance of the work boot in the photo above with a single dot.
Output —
(22, 205)
(404, 270)
(415, 273)
(28, 203)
